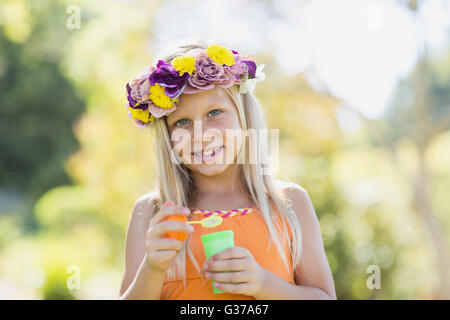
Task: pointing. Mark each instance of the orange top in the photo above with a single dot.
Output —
(250, 232)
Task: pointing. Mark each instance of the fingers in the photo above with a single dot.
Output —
(230, 253)
(239, 288)
(162, 250)
(164, 244)
(161, 228)
(169, 209)
(227, 265)
(232, 277)
(161, 256)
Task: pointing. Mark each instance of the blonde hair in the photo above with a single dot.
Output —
(174, 181)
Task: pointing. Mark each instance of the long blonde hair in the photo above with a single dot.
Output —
(174, 181)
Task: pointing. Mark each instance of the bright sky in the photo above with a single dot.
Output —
(357, 48)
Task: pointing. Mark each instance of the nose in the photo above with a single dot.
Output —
(199, 129)
(205, 135)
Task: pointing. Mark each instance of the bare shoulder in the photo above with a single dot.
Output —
(292, 191)
(144, 208)
(299, 198)
(147, 201)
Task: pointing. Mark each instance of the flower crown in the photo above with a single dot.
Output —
(155, 92)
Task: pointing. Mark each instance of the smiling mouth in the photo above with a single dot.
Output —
(208, 154)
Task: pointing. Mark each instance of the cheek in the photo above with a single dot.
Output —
(218, 130)
(232, 136)
(233, 145)
(181, 142)
(233, 122)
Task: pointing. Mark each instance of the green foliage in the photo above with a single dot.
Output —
(38, 108)
(55, 287)
(63, 207)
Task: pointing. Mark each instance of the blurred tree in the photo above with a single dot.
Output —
(38, 108)
(38, 104)
(421, 111)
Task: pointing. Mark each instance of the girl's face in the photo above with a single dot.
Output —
(198, 130)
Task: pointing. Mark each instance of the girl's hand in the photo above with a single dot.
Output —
(161, 250)
(243, 269)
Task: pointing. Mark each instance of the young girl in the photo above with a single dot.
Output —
(197, 94)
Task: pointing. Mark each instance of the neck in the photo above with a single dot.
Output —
(226, 183)
(223, 191)
(229, 181)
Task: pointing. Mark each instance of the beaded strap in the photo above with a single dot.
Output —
(224, 213)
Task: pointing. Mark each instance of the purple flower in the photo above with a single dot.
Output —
(168, 77)
(131, 101)
(251, 68)
(238, 69)
(208, 74)
(137, 88)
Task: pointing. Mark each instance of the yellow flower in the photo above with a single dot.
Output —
(142, 115)
(184, 64)
(220, 54)
(159, 98)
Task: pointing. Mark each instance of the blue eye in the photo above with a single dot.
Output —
(217, 113)
(178, 122)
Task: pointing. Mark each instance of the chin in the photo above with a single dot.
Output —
(209, 169)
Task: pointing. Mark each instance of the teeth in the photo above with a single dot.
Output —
(207, 153)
